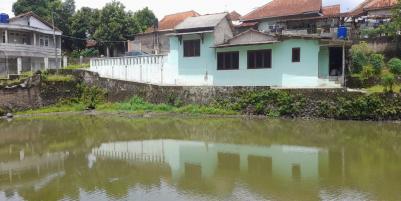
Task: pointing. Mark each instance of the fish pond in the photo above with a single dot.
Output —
(106, 157)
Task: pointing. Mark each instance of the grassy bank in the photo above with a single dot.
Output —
(269, 103)
(135, 105)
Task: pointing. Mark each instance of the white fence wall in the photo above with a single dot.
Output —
(146, 69)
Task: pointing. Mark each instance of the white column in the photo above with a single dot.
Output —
(65, 61)
(6, 35)
(19, 65)
(34, 39)
(46, 59)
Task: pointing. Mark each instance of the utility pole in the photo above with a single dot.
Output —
(55, 42)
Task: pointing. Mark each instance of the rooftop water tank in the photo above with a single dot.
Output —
(342, 32)
(4, 18)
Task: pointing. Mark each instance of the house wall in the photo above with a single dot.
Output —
(146, 43)
(193, 70)
(203, 70)
(284, 73)
(324, 60)
(223, 32)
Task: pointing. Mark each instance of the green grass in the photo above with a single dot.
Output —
(138, 105)
(380, 89)
(77, 66)
(22, 77)
(59, 78)
(135, 105)
(56, 108)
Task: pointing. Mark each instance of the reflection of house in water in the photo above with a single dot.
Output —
(31, 171)
(208, 159)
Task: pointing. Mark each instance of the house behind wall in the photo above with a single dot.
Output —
(155, 40)
(27, 44)
(369, 15)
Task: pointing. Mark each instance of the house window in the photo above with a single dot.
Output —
(44, 41)
(296, 54)
(227, 60)
(4, 37)
(259, 59)
(191, 48)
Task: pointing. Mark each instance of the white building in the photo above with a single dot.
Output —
(27, 44)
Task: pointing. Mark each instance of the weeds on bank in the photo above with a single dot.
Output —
(78, 66)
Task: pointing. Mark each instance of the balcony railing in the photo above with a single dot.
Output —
(12, 49)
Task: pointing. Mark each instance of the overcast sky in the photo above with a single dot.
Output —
(164, 7)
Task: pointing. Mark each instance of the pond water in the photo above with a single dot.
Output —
(115, 158)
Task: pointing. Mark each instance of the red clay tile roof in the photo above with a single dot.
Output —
(331, 10)
(372, 5)
(379, 4)
(280, 8)
(170, 21)
(234, 16)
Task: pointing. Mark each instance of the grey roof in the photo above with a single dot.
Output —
(203, 21)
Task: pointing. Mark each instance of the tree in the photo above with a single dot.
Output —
(116, 25)
(83, 25)
(42, 8)
(146, 18)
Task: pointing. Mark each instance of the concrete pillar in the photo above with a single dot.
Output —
(107, 52)
(34, 39)
(6, 35)
(65, 61)
(19, 65)
(46, 59)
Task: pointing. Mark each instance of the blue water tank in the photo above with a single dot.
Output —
(342, 32)
(4, 18)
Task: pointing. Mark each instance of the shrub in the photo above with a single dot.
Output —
(388, 81)
(89, 52)
(395, 66)
(377, 62)
(367, 72)
(92, 96)
(359, 56)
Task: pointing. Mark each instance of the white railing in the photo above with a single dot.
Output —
(28, 50)
(146, 69)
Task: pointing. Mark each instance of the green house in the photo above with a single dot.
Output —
(205, 51)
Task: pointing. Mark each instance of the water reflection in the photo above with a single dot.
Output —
(87, 158)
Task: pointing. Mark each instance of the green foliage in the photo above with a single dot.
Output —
(146, 18)
(267, 102)
(367, 72)
(92, 96)
(2, 112)
(77, 66)
(377, 62)
(394, 66)
(116, 24)
(388, 82)
(359, 56)
(57, 78)
(83, 25)
(87, 52)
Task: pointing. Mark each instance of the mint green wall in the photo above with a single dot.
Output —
(324, 62)
(194, 70)
(284, 73)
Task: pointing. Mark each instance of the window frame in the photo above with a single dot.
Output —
(193, 52)
(265, 64)
(234, 62)
(294, 58)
